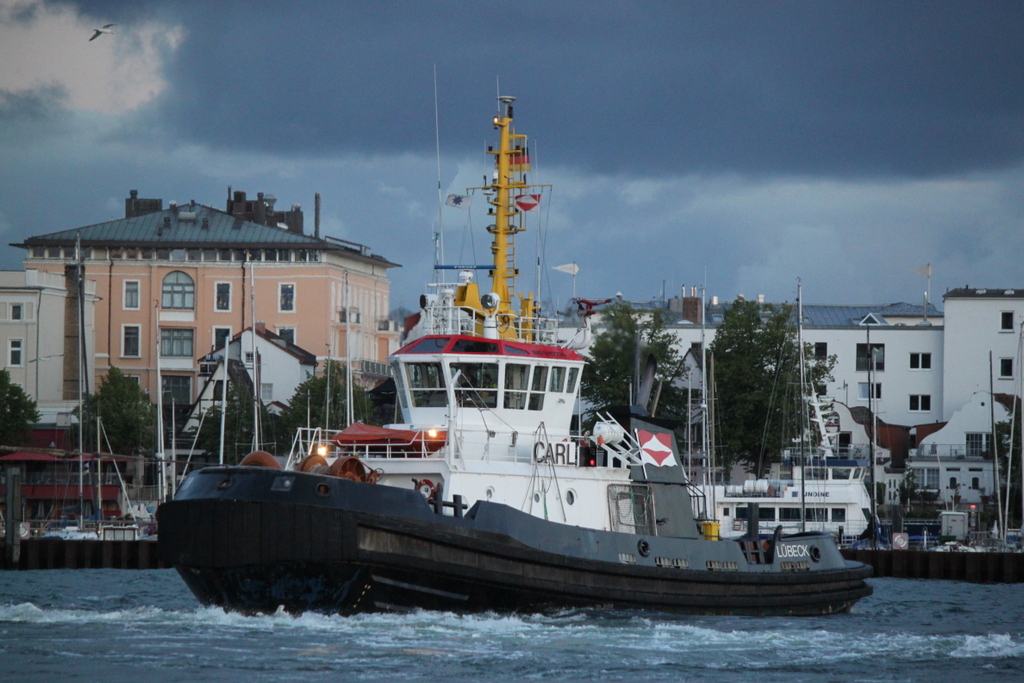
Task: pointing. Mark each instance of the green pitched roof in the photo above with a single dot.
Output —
(183, 227)
(195, 226)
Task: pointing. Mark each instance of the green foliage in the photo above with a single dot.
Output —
(757, 376)
(238, 427)
(1009, 451)
(310, 402)
(18, 412)
(126, 413)
(609, 374)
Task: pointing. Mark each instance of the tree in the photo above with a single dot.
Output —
(126, 413)
(18, 411)
(238, 426)
(310, 402)
(610, 371)
(756, 372)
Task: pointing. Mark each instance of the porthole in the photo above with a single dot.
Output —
(570, 497)
(323, 490)
(643, 547)
(815, 553)
(536, 498)
(489, 493)
(224, 483)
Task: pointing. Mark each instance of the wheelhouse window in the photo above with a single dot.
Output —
(1005, 368)
(426, 382)
(540, 380)
(570, 386)
(557, 376)
(477, 385)
(179, 291)
(517, 379)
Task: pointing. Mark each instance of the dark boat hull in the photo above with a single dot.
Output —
(258, 555)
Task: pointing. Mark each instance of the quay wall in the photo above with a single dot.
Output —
(982, 567)
(61, 554)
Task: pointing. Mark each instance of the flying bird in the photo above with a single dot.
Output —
(101, 31)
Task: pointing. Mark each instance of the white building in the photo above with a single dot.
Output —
(980, 323)
(39, 337)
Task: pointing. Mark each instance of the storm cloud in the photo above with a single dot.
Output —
(747, 143)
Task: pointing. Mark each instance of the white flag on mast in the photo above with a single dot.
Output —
(570, 268)
(459, 201)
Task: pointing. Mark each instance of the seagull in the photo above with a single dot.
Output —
(101, 31)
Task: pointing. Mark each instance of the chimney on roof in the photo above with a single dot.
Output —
(134, 206)
(259, 210)
(206, 222)
(316, 217)
(173, 206)
(261, 327)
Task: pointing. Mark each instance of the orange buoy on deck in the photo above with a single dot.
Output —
(260, 459)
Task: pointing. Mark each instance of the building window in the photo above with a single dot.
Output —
(17, 312)
(130, 341)
(287, 333)
(287, 298)
(266, 392)
(920, 361)
(131, 295)
(978, 444)
(1005, 368)
(351, 315)
(221, 336)
(877, 357)
(1006, 321)
(921, 404)
(223, 297)
(821, 350)
(929, 477)
(863, 390)
(15, 357)
(176, 342)
(177, 389)
(975, 483)
(179, 291)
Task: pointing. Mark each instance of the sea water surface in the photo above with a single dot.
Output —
(116, 625)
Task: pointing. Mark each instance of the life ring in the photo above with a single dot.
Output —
(425, 487)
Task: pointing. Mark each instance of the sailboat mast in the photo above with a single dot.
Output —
(803, 403)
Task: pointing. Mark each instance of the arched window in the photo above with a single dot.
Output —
(179, 291)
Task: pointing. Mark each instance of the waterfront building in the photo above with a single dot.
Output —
(174, 283)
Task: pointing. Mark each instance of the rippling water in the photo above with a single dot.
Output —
(145, 625)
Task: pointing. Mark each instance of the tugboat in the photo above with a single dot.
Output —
(485, 498)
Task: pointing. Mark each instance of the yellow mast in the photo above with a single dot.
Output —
(511, 163)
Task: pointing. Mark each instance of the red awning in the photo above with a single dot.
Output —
(26, 456)
(359, 433)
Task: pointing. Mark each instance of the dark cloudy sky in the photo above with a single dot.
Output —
(744, 144)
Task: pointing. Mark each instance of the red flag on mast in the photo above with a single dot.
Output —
(527, 202)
